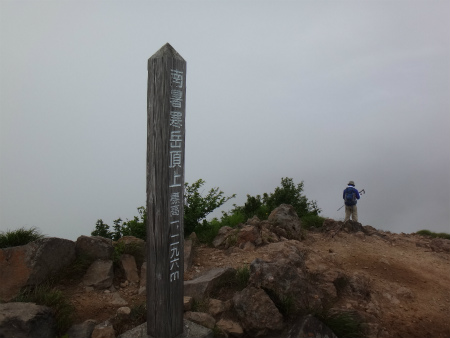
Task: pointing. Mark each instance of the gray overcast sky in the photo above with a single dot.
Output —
(320, 91)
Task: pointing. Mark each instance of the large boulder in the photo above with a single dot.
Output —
(285, 274)
(94, 247)
(26, 320)
(286, 222)
(100, 274)
(33, 263)
(257, 313)
(202, 286)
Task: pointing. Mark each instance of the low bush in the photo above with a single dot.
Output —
(207, 231)
(19, 237)
(431, 234)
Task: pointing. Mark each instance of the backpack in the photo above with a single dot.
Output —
(350, 197)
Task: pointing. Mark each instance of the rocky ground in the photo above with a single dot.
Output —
(407, 278)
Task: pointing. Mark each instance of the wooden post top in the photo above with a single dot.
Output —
(166, 51)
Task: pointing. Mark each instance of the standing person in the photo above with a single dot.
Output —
(350, 196)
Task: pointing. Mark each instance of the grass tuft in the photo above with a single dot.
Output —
(243, 276)
(19, 237)
(46, 294)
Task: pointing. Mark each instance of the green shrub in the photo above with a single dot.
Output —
(207, 231)
(232, 220)
(19, 237)
(431, 234)
(45, 294)
(312, 221)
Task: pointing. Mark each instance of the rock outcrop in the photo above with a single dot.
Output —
(99, 275)
(94, 247)
(26, 320)
(32, 264)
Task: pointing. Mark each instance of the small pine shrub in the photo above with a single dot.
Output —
(19, 237)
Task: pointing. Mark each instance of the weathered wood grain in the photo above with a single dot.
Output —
(166, 98)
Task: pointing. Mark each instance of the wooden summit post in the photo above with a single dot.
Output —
(166, 98)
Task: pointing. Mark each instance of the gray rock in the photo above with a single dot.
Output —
(203, 285)
(83, 330)
(286, 222)
(191, 330)
(99, 275)
(222, 238)
(257, 313)
(231, 328)
(94, 247)
(310, 326)
(33, 263)
(103, 330)
(116, 299)
(128, 264)
(201, 318)
(26, 320)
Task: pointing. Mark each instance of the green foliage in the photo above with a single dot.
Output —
(207, 231)
(102, 229)
(45, 294)
(243, 276)
(133, 249)
(136, 227)
(287, 306)
(197, 207)
(19, 237)
(286, 193)
(431, 234)
(232, 220)
(312, 221)
(343, 324)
